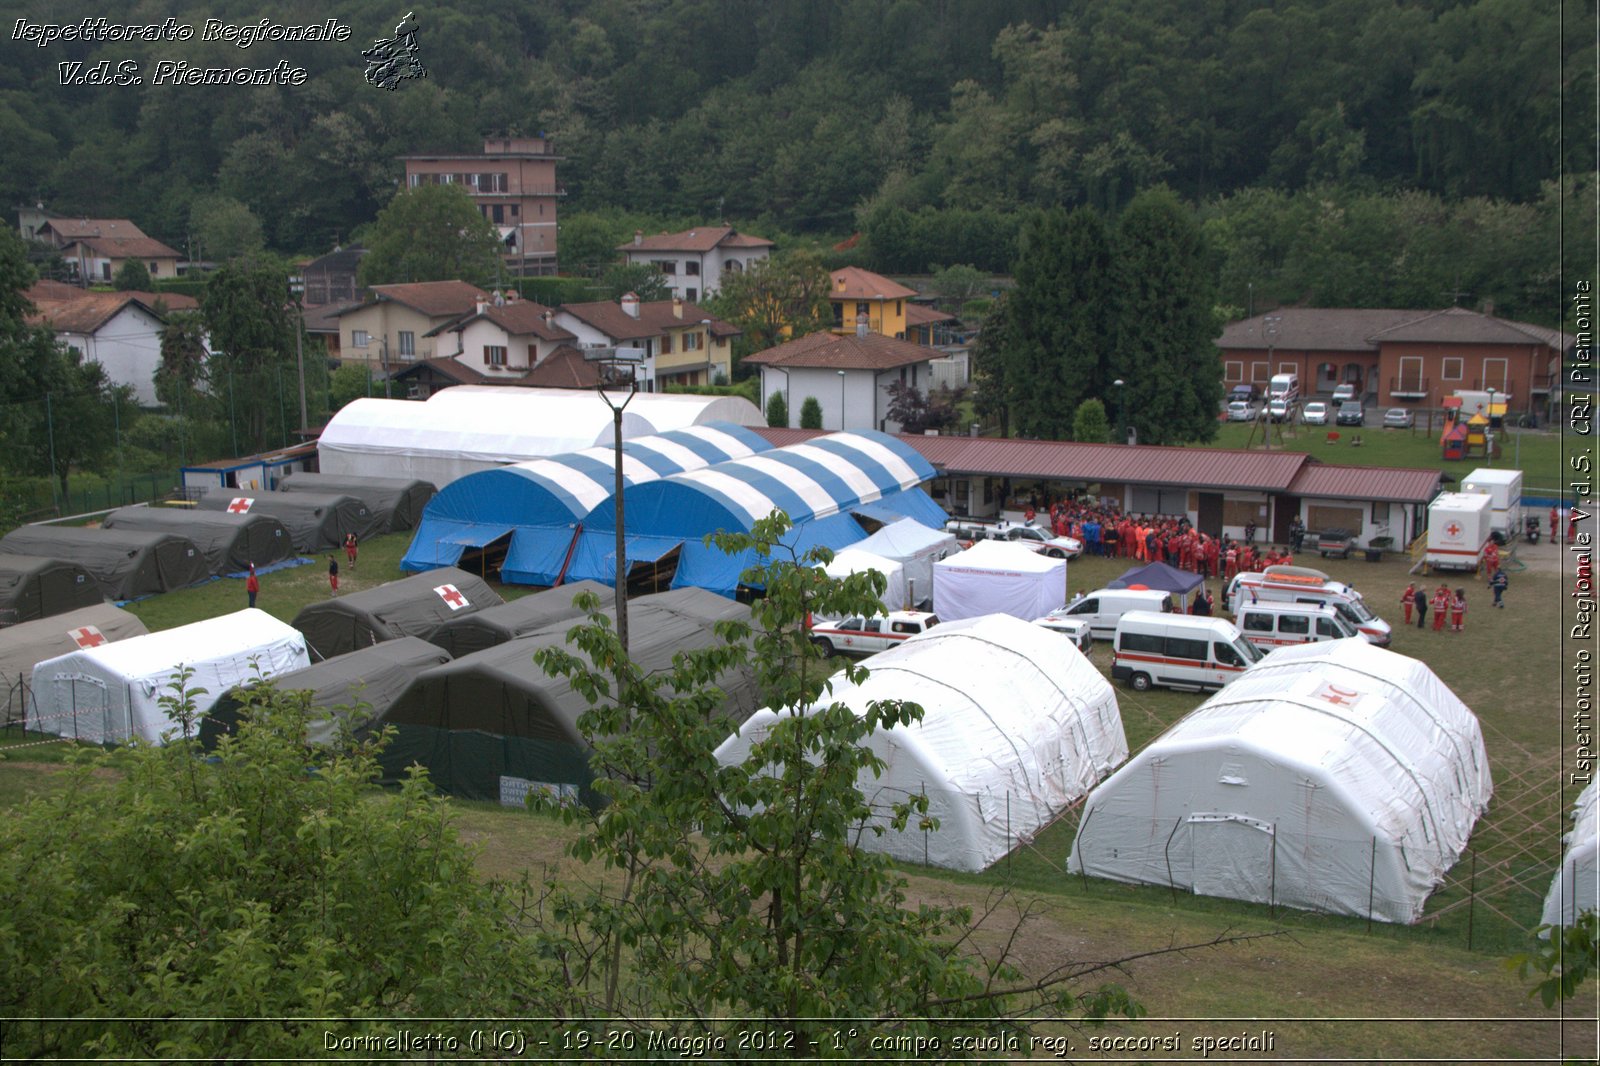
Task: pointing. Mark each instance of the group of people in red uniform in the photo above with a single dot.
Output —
(1415, 602)
(1172, 540)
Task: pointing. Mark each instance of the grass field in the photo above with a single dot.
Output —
(1507, 666)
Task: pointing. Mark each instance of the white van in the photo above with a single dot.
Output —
(1285, 387)
(1275, 625)
(1179, 651)
(1298, 584)
(1103, 608)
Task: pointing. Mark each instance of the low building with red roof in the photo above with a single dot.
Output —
(683, 344)
(849, 376)
(390, 327)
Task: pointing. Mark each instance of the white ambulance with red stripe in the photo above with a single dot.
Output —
(1179, 651)
(1301, 584)
(866, 636)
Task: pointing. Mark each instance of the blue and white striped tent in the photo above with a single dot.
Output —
(817, 484)
(541, 503)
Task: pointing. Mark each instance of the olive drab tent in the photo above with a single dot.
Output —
(396, 503)
(230, 542)
(33, 587)
(347, 690)
(411, 607)
(1334, 777)
(128, 563)
(1016, 726)
(515, 618)
(316, 521)
(117, 692)
(25, 645)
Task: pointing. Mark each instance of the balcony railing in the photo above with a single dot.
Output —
(1409, 385)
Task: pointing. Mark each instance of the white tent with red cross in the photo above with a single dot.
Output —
(1334, 777)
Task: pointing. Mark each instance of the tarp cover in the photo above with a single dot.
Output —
(998, 577)
(854, 561)
(916, 547)
(23, 646)
(1159, 576)
(411, 607)
(112, 693)
(317, 522)
(366, 682)
(493, 724)
(1016, 725)
(1576, 885)
(230, 542)
(513, 619)
(34, 587)
(1334, 777)
(128, 563)
(463, 429)
(396, 503)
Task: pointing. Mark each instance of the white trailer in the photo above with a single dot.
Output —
(1458, 530)
(1504, 487)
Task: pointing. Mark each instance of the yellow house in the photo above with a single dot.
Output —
(860, 297)
(391, 327)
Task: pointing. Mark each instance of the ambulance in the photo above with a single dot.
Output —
(1301, 584)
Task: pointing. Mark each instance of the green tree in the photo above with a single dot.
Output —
(959, 283)
(780, 297)
(351, 381)
(132, 276)
(272, 883)
(993, 382)
(777, 410)
(1561, 957)
(431, 233)
(224, 228)
(181, 376)
(1089, 424)
(1166, 322)
(644, 280)
(811, 414)
(252, 325)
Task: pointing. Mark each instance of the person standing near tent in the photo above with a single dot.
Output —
(1407, 598)
(1497, 585)
(1441, 604)
(333, 575)
(1458, 610)
(1420, 599)
(252, 585)
(1491, 559)
(350, 549)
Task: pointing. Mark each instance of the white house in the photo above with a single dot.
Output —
(502, 341)
(695, 260)
(849, 376)
(683, 344)
(119, 330)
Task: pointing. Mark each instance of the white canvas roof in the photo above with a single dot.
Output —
(460, 430)
(998, 577)
(112, 693)
(915, 547)
(1576, 885)
(849, 561)
(1336, 777)
(1016, 725)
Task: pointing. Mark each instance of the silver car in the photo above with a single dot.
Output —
(1399, 418)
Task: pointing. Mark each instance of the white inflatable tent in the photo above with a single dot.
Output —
(998, 577)
(1334, 777)
(1576, 885)
(467, 428)
(112, 693)
(1016, 725)
(916, 548)
(847, 561)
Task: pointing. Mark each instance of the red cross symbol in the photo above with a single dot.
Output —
(1338, 696)
(87, 636)
(240, 505)
(1453, 529)
(452, 595)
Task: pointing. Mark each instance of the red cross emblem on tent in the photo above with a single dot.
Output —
(1337, 696)
(452, 595)
(240, 505)
(87, 637)
(1453, 529)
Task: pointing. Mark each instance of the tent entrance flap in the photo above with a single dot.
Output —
(1233, 857)
(483, 550)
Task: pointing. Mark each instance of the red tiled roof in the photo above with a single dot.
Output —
(655, 318)
(1358, 329)
(1458, 325)
(47, 291)
(1365, 483)
(129, 247)
(518, 318)
(433, 298)
(71, 229)
(565, 368)
(923, 315)
(87, 314)
(454, 369)
(173, 301)
(853, 283)
(700, 239)
(850, 352)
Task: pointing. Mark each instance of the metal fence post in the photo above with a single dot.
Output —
(1372, 880)
(1472, 897)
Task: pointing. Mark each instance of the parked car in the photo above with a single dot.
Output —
(1399, 418)
(1351, 414)
(1242, 411)
(1343, 393)
(1074, 629)
(1279, 410)
(864, 636)
(1041, 541)
(1315, 413)
(1247, 393)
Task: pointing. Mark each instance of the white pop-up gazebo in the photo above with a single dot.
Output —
(112, 693)
(998, 577)
(1016, 725)
(1576, 885)
(847, 561)
(1334, 777)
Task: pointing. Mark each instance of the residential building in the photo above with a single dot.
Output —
(391, 327)
(331, 278)
(119, 330)
(849, 376)
(683, 344)
(513, 182)
(861, 297)
(695, 261)
(1396, 357)
(96, 248)
(504, 339)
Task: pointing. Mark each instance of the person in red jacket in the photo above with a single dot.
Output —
(1406, 598)
(1458, 610)
(252, 585)
(1441, 604)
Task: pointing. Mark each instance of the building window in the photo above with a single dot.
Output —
(1451, 367)
(513, 210)
(1287, 368)
(1494, 375)
(1258, 373)
(155, 268)
(499, 213)
(666, 266)
(408, 344)
(691, 342)
(494, 355)
(1380, 514)
(838, 315)
(732, 266)
(666, 344)
(690, 294)
(359, 338)
(1233, 370)
(897, 308)
(692, 269)
(1411, 379)
(863, 308)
